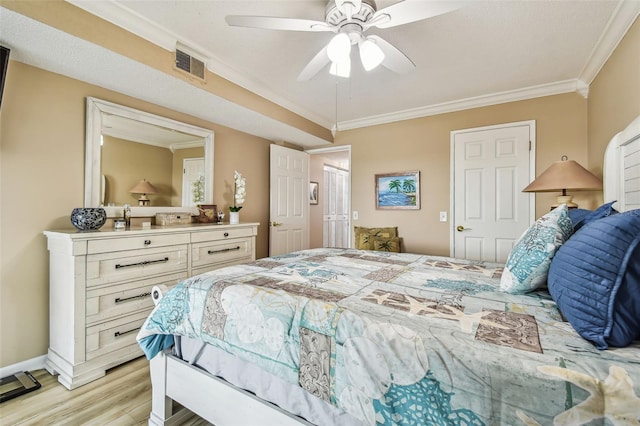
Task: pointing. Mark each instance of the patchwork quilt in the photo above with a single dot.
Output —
(404, 339)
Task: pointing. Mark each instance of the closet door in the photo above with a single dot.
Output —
(335, 208)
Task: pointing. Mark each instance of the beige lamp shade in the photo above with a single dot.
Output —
(564, 175)
(143, 187)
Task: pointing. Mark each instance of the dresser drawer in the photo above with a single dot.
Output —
(107, 302)
(113, 335)
(137, 242)
(135, 264)
(221, 234)
(218, 253)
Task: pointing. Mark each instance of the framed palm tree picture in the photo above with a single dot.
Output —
(398, 191)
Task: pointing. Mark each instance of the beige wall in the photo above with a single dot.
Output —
(42, 122)
(125, 163)
(75, 21)
(614, 96)
(424, 144)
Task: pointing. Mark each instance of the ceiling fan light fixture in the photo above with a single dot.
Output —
(349, 7)
(339, 48)
(370, 54)
(341, 69)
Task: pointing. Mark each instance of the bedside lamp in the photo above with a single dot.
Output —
(562, 176)
(143, 187)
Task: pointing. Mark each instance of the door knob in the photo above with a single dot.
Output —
(461, 228)
(276, 224)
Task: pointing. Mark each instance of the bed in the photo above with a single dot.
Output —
(357, 337)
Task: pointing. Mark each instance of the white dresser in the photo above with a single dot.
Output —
(100, 285)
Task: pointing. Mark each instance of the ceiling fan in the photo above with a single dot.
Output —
(349, 20)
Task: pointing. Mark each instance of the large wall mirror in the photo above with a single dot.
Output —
(125, 146)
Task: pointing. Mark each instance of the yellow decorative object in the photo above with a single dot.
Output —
(363, 240)
(386, 244)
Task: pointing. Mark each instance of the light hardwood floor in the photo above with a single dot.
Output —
(122, 397)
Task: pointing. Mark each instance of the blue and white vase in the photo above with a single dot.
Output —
(88, 218)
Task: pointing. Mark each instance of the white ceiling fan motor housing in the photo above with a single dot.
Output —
(334, 15)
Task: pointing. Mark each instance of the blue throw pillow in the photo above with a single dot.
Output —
(581, 217)
(528, 263)
(595, 280)
(577, 216)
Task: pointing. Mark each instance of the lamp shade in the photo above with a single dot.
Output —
(143, 187)
(563, 175)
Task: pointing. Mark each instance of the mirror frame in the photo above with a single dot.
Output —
(96, 109)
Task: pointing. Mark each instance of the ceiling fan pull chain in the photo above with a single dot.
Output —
(336, 77)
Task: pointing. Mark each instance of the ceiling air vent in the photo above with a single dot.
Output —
(188, 63)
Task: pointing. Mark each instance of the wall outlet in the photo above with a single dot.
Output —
(355, 215)
(443, 216)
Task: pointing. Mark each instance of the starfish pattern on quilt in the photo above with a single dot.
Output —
(380, 298)
(466, 320)
(417, 306)
(612, 398)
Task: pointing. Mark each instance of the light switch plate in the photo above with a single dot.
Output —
(355, 215)
(443, 216)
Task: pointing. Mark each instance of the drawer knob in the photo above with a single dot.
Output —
(226, 234)
(147, 242)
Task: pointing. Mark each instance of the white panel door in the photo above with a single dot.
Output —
(335, 208)
(289, 201)
(192, 172)
(491, 166)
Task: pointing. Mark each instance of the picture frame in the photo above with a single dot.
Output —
(313, 192)
(208, 213)
(398, 191)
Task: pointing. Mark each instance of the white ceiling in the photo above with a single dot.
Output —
(484, 53)
(481, 49)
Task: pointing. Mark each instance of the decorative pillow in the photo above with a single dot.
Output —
(581, 217)
(386, 244)
(528, 263)
(577, 216)
(595, 280)
(363, 236)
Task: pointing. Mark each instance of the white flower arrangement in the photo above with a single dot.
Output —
(198, 190)
(240, 192)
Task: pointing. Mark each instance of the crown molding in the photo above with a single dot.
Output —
(41, 46)
(557, 88)
(139, 25)
(623, 17)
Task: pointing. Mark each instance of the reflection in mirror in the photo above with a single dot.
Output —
(125, 146)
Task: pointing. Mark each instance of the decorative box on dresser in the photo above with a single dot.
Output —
(100, 285)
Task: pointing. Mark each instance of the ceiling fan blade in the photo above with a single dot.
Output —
(275, 23)
(394, 59)
(314, 66)
(408, 11)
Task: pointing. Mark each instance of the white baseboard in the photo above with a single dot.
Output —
(36, 363)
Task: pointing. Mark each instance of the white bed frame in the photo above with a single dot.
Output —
(213, 399)
(622, 168)
(223, 404)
